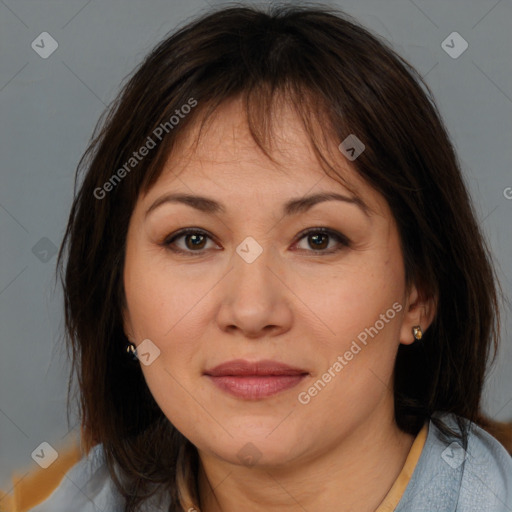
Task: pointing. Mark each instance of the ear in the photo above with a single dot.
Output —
(418, 311)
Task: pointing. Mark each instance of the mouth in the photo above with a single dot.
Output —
(255, 380)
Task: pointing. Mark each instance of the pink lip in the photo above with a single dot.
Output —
(241, 368)
(255, 380)
(254, 388)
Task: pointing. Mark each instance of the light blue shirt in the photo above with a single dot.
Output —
(446, 478)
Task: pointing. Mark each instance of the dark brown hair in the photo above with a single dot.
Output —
(341, 80)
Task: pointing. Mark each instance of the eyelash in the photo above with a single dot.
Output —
(170, 240)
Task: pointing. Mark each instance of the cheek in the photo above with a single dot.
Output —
(165, 309)
(343, 303)
(159, 298)
(358, 368)
(361, 318)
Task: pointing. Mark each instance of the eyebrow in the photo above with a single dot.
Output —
(291, 207)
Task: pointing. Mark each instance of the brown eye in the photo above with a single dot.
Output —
(194, 241)
(319, 238)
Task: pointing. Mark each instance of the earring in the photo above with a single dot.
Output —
(417, 332)
(131, 350)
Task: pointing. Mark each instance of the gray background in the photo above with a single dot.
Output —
(49, 108)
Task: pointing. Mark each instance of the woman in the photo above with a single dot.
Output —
(277, 295)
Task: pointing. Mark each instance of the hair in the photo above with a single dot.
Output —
(340, 79)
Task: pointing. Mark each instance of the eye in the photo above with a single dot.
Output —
(318, 239)
(195, 240)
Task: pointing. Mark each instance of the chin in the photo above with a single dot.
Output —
(258, 451)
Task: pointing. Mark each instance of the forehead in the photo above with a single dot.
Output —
(224, 156)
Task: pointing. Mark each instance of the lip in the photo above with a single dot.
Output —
(243, 368)
(255, 380)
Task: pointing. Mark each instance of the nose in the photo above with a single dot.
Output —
(254, 298)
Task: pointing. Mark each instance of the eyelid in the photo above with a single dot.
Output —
(339, 237)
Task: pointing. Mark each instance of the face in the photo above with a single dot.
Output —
(318, 288)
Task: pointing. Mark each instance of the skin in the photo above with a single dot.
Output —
(295, 304)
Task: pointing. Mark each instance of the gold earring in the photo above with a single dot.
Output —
(131, 350)
(417, 332)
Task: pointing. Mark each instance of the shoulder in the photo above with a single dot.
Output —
(487, 476)
(87, 485)
(81, 480)
(453, 475)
